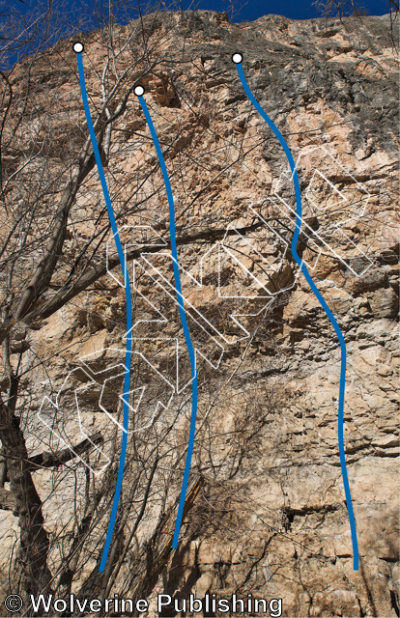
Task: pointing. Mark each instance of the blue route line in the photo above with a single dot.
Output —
(182, 314)
(322, 303)
(128, 354)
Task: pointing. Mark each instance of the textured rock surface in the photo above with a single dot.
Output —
(271, 518)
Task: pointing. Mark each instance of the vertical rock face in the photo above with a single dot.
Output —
(271, 517)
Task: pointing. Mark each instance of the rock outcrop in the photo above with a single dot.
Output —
(270, 518)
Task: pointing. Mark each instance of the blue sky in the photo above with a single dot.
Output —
(294, 9)
(244, 9)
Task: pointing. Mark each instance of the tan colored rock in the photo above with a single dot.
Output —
(271, 517)
(385, 303)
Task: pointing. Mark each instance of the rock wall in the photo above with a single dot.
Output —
(271, 518)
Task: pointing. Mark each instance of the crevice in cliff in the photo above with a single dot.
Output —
(367, 588)
(394, 603)
(302, 512)
(362, 612)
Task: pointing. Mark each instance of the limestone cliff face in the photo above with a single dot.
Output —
(271, 515)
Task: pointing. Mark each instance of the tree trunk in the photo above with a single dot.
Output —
(34, 543)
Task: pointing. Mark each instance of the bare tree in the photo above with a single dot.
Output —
(54, 233)
(56, 258)
(343, 8)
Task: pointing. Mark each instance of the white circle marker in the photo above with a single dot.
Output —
(139, 91)
(78, 48)
(237, 58)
